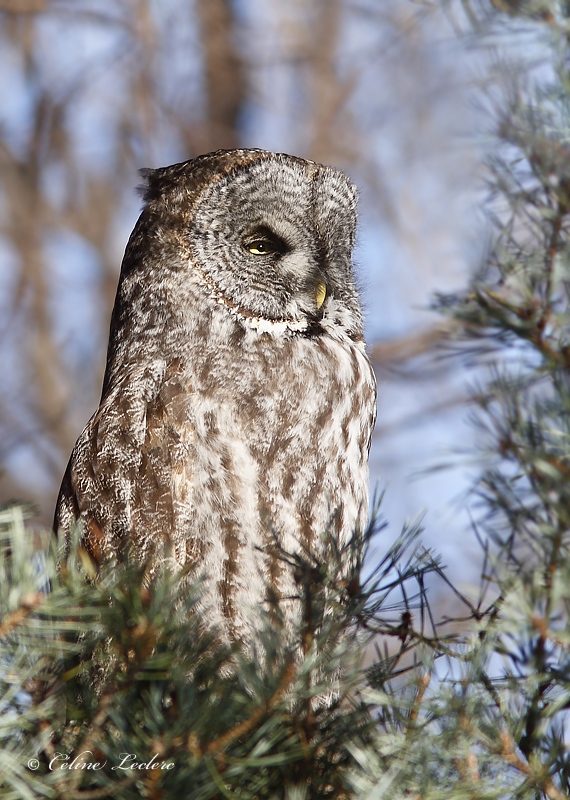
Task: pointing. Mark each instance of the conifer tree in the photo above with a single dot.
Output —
(111, 688)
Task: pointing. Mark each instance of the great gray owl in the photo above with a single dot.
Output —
(238, 401)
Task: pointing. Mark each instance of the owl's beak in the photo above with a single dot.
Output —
(320, 293)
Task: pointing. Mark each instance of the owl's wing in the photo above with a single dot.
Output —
(119, 477)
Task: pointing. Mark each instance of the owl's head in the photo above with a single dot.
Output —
(266, 236)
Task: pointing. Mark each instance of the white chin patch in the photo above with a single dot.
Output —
(276, 326)
(259, 324)
(263, 325)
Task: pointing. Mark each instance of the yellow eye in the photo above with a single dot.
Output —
(260, 248)
(320, 293)
(264, 242)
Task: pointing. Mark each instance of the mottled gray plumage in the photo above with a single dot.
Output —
(238, 400)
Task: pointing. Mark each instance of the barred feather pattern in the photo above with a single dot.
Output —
(238, 406)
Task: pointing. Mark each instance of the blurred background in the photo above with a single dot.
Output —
(92, 91)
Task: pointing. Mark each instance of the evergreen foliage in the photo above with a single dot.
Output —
(98, 669)
(474, 705)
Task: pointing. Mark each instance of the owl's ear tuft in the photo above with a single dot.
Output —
(147, 189)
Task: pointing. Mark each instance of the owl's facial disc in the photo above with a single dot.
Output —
(281, 248)
(294, 264)
(264, 242)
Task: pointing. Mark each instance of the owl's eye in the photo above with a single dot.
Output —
(263, 242)
(260, 248)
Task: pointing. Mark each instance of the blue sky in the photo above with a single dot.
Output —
(420, 229)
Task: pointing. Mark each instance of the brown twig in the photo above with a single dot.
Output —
(28, 604)
(423, 685)
(508, 752)
(244, 727)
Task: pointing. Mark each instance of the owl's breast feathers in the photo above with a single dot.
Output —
(214, 455)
